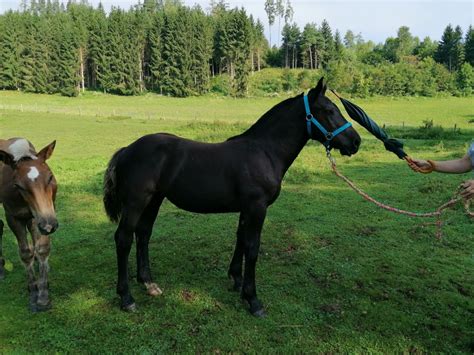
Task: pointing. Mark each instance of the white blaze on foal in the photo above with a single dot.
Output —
(33, 173)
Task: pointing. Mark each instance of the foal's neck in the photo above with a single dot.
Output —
(285, 136)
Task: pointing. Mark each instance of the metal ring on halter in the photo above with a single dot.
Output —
(309, 117)
(329, 136)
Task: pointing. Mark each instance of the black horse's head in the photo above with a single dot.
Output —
(330, 117)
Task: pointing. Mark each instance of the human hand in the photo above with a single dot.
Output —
(420, 165)
(467, 189)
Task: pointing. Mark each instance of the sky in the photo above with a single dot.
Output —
(374, 19)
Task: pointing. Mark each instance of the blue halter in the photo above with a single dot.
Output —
(310, 120)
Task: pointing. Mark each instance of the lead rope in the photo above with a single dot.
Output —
(437, 214)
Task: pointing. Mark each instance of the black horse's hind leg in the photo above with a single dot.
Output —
(123, 243)
(254, 218)
(235, 267)
(143, 234)
(2, 260)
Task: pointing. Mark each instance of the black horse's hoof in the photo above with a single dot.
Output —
(236, 287)
(129, 308)
(260, 313)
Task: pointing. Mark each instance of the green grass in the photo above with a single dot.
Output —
(335, 273)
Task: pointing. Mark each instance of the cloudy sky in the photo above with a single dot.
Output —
(374, 19)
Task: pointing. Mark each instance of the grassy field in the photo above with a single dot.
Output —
(335, 273)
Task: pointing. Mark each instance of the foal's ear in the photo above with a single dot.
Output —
(47, 151)
(7, 158)
(321, 87)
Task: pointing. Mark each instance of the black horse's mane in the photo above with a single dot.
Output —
(273, 113)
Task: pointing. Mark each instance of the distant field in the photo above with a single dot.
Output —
(336, 274)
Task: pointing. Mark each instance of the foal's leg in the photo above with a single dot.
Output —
(27, 256)
(2, 260)
(143, 233)
(42, 245)
(235, 267)
(123, 243)
(254, 218)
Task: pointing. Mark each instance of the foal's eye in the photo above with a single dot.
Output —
(50, 179)
(19, 187)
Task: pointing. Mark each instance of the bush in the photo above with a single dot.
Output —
(221, 84)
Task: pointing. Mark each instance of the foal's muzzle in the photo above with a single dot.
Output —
(48, 226)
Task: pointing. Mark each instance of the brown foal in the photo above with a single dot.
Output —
(27, 192)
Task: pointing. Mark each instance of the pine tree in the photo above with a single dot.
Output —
(98, 61)
(338, 47)
(240, 30)
(469, 46)
(11, 47)
(65, 62)
(201, 50)
(176, 58)
(327, 50)
(450, 51)
(154, 48)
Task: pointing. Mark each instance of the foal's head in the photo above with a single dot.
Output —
(330, 117)
(34, 181)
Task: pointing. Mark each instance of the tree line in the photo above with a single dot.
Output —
(165, 47)
(161, 46)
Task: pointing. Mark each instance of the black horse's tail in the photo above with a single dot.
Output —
(112, 204)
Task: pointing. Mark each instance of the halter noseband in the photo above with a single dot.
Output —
(310, 120)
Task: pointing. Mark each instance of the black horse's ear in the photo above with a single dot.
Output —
(7, 158)
(320, 88)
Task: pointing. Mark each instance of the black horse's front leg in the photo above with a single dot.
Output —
(2, 260)
(254, 218)
(235, 267)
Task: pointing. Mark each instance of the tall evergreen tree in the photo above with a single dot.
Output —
(450, 50)
(176, 58)
(11, 47)
(327, 50)
(469, 46)
(98, 60)
(240, 34)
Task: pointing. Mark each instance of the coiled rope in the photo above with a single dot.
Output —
(435, 214)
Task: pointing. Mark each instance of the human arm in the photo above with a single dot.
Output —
(456, 166)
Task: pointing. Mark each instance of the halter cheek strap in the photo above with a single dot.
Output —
(310, 120)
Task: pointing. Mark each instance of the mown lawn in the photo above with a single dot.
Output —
(336, 274)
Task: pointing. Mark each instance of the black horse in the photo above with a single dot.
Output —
(242, 174)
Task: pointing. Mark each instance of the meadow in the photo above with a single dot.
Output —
(335, 273)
